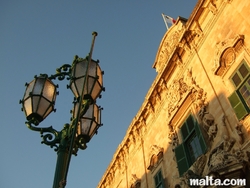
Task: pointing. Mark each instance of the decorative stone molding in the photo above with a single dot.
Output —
(195, 171)
(150, 107)
(212, 7)
(142, 125)
(155, 150)
(199, 97)
(163, 84)
(135, 181)
(229, 1)
(199, 165)
(246, 123)
(221, 156)
(155, 155)
(208, 122)
(167, 46)
(198, 29)
(174, 140)
(239, 132)
(180, 88)
(226, 52)
(174, 95)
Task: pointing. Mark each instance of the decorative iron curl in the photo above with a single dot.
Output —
(81, 142)
(62, 72)
(51, 138)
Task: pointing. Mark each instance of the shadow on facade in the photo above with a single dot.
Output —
(202, 139)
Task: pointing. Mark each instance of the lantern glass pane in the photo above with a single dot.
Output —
(79, 86)
(85, 126)
(50, 109)
(91, 82)
(89, 113)
(29, 89)
(27, 106)
(49, 91)
(96, 91)
(43, 107)
(92, 69)
(35, 103)
(38, 86)
(80, 69)
(93, 129)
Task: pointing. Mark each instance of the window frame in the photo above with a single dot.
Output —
(182, 152)
(160, 183)
(236, 99)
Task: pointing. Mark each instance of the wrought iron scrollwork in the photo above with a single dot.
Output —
(62, 72)
(51, 138)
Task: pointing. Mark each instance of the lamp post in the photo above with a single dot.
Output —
(85, 81)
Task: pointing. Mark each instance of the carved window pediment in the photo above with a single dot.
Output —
(156, 157)
(226, 53)
(136, 182)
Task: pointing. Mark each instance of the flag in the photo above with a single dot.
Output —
(168, 19)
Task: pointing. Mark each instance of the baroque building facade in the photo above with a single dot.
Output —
(194, 121)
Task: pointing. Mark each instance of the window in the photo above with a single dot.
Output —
(240, 98)
(159, 181)
(192, 147)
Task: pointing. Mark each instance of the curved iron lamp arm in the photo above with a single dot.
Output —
(51, 138)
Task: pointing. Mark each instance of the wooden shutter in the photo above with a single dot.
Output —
(237, 105)
(200, 137)
(181, 159)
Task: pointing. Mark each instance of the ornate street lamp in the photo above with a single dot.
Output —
(39, 98)
(85, 81)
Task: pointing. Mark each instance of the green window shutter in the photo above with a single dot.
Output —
(184, 131)
(237, 105)
(200, 137)
(159, 181)
(181, 159)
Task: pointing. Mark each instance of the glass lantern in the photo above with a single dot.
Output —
(89, 122)
(39, 98)
(86, 79)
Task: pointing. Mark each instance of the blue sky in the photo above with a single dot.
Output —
(38, 37)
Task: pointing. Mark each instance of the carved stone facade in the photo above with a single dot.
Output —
(195, 62)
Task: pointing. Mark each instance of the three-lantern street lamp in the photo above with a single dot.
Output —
(85, 81)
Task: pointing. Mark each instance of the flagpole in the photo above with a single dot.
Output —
(164, 19)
